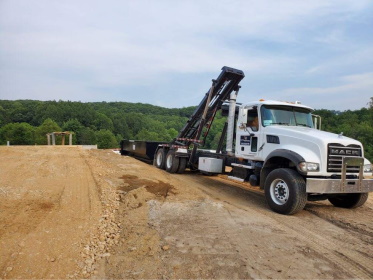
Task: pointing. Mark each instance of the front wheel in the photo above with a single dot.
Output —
(285, 191)
(349, 200)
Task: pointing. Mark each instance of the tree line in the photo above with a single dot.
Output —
(26, 122)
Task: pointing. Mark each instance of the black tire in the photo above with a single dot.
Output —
(182, 165)
(172, 162)
(285, 191)
(349, 200)
(160, 159)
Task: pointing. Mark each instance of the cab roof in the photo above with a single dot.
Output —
(274, 102)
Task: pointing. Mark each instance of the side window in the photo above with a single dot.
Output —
(254, 144)
(252, 119)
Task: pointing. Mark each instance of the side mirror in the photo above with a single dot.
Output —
(316, 119)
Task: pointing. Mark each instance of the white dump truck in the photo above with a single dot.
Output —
(278, 146)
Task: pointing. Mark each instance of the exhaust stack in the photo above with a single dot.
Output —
(231, 117)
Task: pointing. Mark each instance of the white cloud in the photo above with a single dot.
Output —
(352, 92)
(350, 84)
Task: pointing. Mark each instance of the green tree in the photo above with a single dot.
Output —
(135, 122)
(86, 136)
(172, 132)
(119, 138)
(3, 116)
(46, 127)
(106, 139)
(121, 126)
(103, 122)
(17, 134)
(146, 135)
(73, 125)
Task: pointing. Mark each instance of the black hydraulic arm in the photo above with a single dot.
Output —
(219, 92)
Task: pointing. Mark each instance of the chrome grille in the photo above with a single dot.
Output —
(335, 153)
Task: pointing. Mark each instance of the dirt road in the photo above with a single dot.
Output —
(66, 212)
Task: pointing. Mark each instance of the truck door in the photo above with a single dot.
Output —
(248, 134)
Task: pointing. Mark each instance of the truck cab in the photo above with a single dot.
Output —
(280, 138)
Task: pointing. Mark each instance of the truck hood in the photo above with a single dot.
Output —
(310, 143)
(310, 135)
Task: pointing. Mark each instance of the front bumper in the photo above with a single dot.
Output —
(342, 185)
(339, 186)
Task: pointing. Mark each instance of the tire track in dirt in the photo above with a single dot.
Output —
(366, 234)
(348, 258)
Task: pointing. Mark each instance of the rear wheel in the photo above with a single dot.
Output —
(349, 200)
(182, 165)
(160, 159)
(172, 162)
(285, 191)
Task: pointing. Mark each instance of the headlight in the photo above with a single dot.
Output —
(308, 167)
(367, 168)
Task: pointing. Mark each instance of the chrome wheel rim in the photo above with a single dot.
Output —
(279, 191)
(159, 159)
(169, 161)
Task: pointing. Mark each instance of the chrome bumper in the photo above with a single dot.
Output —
(337, 186)
(343, 185)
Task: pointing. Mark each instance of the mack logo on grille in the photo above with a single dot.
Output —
(348, 152)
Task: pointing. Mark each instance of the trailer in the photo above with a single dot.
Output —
(142, 150)
(277, 146)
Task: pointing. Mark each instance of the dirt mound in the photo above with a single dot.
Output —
(159, 188)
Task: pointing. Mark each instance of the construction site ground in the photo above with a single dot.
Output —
(66, 212)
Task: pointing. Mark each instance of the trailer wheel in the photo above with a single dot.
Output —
(172, 162)
(159, 160)
(182, 165)
(349, 200)
(285, 191)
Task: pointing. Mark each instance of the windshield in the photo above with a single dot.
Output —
(286, 115)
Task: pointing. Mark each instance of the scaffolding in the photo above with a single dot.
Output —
(63, 134)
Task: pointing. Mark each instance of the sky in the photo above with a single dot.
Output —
(165, 52)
